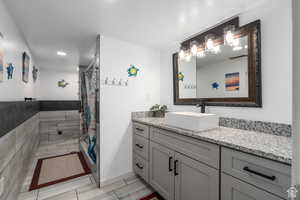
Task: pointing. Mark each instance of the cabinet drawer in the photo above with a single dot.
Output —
(141, 167)
(234, 189)
(199, 150)
(141, 146)
(266, 174)
(141, 129)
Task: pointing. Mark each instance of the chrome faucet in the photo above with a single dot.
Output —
(202, 105)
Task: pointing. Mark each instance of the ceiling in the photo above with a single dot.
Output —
(72, 25)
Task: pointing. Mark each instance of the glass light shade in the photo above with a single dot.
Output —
(229, 35)
(181, 54)
(209, 43)
(194, 49)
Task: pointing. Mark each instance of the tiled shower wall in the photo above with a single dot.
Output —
(58, 126)
(20, 125)
(16, 150)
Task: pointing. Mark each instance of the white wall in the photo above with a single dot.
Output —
(117, 102)
(49, 89)
(276, 67)
(14, 46)
(296, 93)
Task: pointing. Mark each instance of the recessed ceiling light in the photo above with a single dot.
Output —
(61, 53)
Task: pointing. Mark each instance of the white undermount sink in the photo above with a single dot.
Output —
(192, 121)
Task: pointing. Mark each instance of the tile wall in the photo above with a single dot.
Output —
(16, 150)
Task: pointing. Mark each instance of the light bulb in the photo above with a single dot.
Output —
(194, 49)
(246, 46)
(209, 44)
(181, 54)
(229, 37)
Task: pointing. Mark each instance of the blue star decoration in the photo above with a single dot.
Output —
(215, 85)
(180, 76)
(10, 71)
(132, 71)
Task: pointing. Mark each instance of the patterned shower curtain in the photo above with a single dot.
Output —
(88, 99)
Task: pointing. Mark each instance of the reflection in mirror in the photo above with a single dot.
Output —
(222, 74)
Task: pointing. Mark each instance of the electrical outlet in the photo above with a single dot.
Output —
(1, 185)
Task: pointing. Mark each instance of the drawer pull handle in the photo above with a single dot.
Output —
(272, 178)
(170, 162)
(139, 129)
(175, 168)
(139, 146)
(138, 165)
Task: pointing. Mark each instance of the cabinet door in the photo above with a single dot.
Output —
(234, 189)
(161, 172)
(194, 180)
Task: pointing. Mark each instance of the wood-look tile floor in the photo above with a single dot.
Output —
(82, 188)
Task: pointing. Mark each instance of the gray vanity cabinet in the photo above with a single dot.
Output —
(183, 168)
(194, 180)
(161, 172)
(234, 189)
(178, 177)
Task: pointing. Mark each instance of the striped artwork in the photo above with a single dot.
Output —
(232, 81)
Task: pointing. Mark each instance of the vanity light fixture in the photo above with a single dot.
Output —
(229, 35)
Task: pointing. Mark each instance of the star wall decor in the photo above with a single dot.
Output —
(180, 76)
(132, 71)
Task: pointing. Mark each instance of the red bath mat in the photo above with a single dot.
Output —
(57, 169)
(153, 196)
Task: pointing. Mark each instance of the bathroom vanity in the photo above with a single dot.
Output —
(222, 163)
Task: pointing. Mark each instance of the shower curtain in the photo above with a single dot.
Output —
(89, 100)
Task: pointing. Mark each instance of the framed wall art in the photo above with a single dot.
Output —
(25, 67)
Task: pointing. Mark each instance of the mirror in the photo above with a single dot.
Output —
(216, 75)
(229, 76)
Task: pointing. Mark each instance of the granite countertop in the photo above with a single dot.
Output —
(278, 148)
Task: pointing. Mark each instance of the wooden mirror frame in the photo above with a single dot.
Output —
(254, 70)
